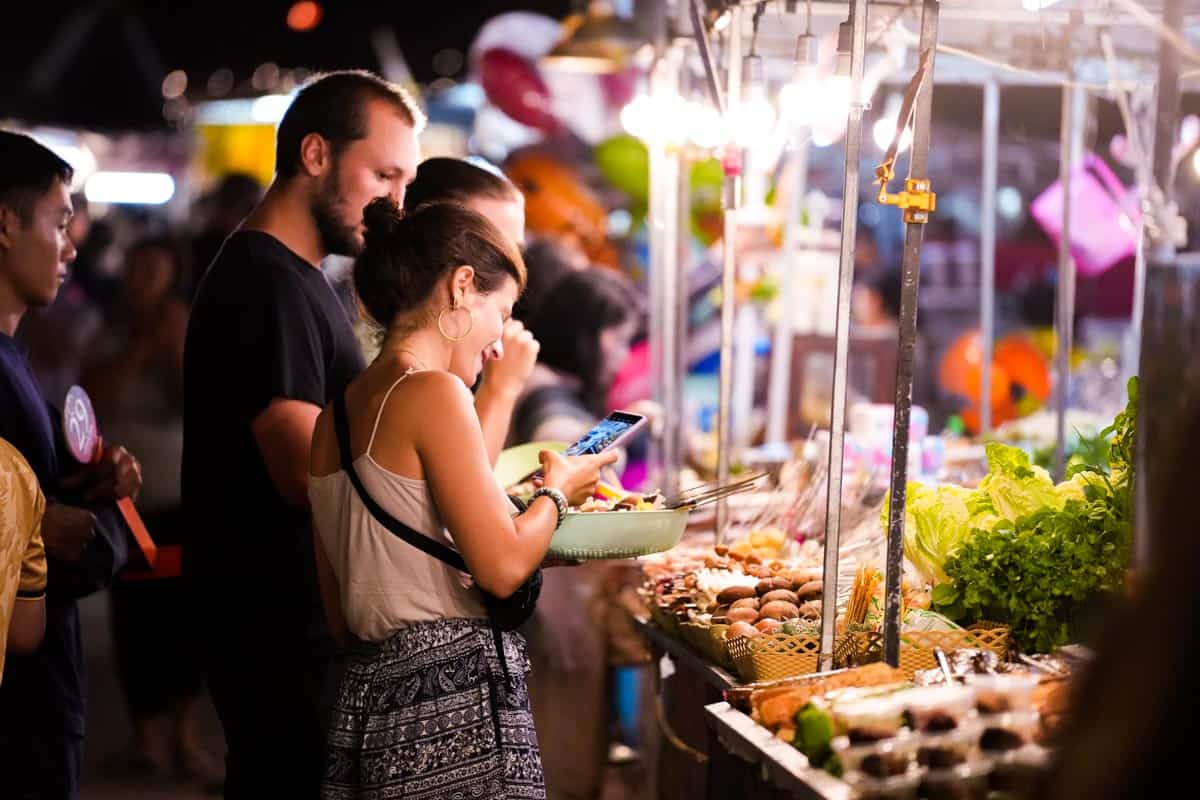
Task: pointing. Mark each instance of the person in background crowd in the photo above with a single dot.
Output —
(268, 345)
(434, 703)
(57, 335)
(134, 374)
(585, 325)
(876, 303)
(547, 262)
(469, 183)
(22, 557)
(42, 700)
(230, 202)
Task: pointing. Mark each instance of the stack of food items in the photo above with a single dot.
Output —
(891, 738)
(725, 591)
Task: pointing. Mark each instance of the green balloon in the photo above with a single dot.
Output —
(705, 181)
(624, 161)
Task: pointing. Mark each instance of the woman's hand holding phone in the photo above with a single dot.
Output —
(575, 476)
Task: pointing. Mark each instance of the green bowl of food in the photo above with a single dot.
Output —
(635, 525)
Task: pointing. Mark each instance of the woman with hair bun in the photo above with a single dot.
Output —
(434, 701)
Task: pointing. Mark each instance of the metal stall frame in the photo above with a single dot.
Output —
(918, 202)
(732, 201)
(837, 415)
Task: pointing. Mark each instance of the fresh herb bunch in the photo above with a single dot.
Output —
(1039, 572)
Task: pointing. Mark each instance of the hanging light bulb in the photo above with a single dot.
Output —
(659, 118)
(705, 128)
(797, 95)
(754, 118)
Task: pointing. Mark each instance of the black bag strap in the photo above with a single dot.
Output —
(423, 543)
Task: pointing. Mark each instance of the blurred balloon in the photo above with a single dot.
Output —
(624, 161)
(1025, 365)
(559, 204)
(528, 35)
(577, 101)
(619, 87)
(513, 85)
(705, 182)
(1020, 377)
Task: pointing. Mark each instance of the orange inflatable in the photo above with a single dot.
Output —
(1020, 377)
(559, 204)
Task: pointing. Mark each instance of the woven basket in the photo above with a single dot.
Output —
(918, 649)
(773, 656)
(708, 641)
(665, 620)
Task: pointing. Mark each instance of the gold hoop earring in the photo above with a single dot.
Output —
(442, 328)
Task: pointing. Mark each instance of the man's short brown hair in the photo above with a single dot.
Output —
(334, 106)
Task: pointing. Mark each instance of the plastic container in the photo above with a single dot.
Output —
(998, 694)
(964, 782)
(898, 787)
(937, 709)
(879, 760)
(869, 719)
(1017, 773)
(950, 749)
(1005, 732)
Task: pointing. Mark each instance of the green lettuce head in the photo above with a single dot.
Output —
(1016, 487)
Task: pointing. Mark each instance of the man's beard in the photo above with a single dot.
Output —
(328, 211)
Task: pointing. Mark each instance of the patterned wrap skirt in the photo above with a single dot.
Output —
(433, 714)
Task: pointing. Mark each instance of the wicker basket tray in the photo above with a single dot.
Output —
(665, 620)
(773, 656)
(708, 641)
(918, 649)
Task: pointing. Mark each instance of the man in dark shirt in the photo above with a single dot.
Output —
(42, 698)
(268, 346)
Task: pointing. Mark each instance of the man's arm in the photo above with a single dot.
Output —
(283, 432)
(28, 625)
(503, 379)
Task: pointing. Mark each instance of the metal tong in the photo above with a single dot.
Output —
(711, 492)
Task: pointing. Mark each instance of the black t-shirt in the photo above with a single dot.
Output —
(265, 325)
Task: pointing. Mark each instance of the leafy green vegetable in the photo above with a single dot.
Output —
(814, 734)
(934, 522)
(1036, 571)
(1017, 487)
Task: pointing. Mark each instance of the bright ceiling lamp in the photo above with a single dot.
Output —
(596, 41)
(130, 188)
(1037, 5)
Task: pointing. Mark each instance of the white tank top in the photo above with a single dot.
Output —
(384, 583)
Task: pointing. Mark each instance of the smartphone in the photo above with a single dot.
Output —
(611, 431)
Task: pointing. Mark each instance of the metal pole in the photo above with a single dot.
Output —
(732, 201)
(1172, 293)
(987, 247)
(837, 414)
(655, 281)
(669, 160)
(1074, 119)
(676, 411)
(779, 389)
(914, 233)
